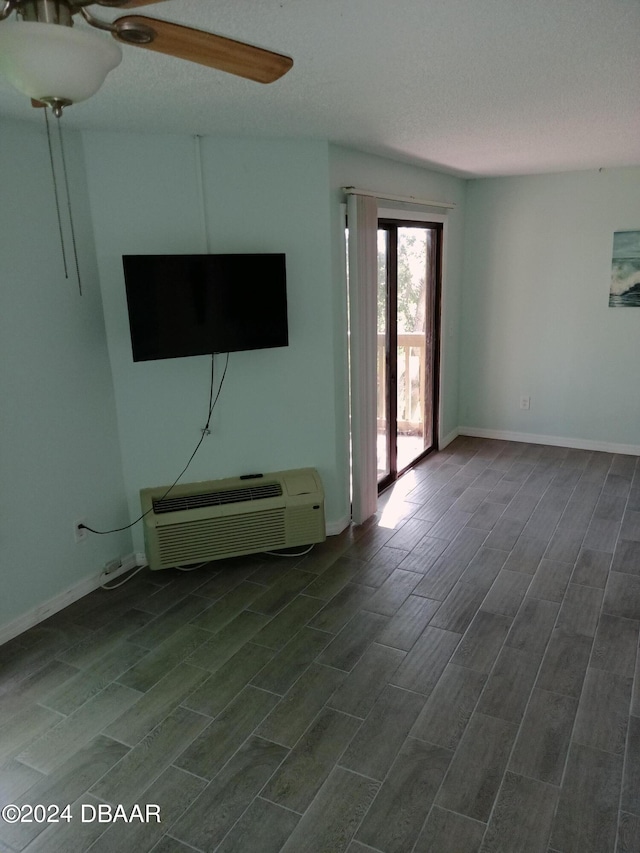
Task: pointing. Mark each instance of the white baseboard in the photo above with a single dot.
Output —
(64, 599)
(333, 528)
(444, 440)
(81, 588)
(555, 440)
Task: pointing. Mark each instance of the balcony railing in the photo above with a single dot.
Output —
(411, 382)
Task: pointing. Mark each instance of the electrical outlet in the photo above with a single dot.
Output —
(525, 402)
(79, 532)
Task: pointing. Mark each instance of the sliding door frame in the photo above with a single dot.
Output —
(433, 298)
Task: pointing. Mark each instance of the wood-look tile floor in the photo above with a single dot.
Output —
(458, 675)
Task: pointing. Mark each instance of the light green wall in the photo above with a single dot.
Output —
(366, 171)
(536, 319)
(59, 457)
(79, 411)
(278, 407)
(527, 315)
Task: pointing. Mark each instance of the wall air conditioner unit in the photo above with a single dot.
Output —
(226, 518)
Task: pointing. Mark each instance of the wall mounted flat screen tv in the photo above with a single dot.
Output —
(181, 305)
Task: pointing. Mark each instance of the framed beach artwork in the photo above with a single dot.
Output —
(624, 291)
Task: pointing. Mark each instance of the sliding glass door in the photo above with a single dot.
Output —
(409, 273)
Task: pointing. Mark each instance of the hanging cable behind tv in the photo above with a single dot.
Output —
(205, 432)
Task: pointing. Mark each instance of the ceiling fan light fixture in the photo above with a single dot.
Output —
(51, 62)
(134, 33)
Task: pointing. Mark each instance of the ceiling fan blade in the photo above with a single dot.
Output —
(37, 104)
(225, 54)
(127, 4)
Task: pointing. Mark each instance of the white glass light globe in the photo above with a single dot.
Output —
(54, 61)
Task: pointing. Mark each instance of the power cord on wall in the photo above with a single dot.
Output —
(205, 431)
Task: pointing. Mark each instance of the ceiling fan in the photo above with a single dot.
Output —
(55, 64)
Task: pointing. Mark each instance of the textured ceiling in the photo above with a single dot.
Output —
(472, 87)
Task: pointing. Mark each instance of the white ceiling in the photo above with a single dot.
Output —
(472, 87)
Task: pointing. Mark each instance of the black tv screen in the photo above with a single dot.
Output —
(181, 305)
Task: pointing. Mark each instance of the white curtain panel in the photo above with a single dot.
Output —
(362, 212)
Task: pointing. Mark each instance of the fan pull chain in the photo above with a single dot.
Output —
(55, 193)
(66, 187)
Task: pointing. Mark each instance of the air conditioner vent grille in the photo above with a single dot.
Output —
(210, 540)
(179, 503)
(217, 519)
